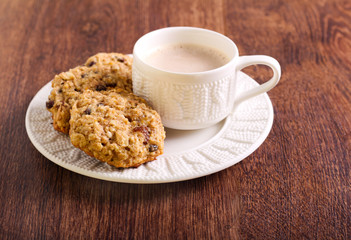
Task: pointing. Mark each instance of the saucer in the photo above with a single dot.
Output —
(187, 154)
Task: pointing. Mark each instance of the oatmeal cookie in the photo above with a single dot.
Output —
(102, 71)
(116, 127)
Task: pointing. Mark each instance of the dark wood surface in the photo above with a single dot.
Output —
(296, 185)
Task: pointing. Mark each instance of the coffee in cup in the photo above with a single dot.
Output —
(186, 58)
(189, 75)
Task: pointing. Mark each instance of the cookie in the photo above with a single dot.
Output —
(116, 127)
(102, 71)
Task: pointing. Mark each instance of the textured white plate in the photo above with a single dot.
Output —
(188, 154)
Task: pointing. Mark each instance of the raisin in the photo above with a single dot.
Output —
(50, 104)
(129, 119)
(120, 59)
(111, 84)
(82, 76)
(100, 87)
(145, 131)
(153, 148)
(91, 63)
(87, 111)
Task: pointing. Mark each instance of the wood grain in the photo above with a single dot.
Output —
(295, 186)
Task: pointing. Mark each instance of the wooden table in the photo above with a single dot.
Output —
(296, 185)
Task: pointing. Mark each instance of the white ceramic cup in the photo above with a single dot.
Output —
(194, 100)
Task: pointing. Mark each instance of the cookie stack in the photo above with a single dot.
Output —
(94, 104)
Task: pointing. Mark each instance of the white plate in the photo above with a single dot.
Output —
(187, 155)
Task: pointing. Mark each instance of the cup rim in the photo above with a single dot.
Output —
(186, 28)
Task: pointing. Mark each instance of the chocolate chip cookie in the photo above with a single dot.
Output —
(101, 72)
(116, 127)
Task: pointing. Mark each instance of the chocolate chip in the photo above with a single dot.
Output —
(120, 59)
(82, 76)
(87, 111)
(100, 87)
(50, 104)
(145, 131)
(60, 90)
(91, 63)
(153, 148)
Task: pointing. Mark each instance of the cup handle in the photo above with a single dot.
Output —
(245, 61)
